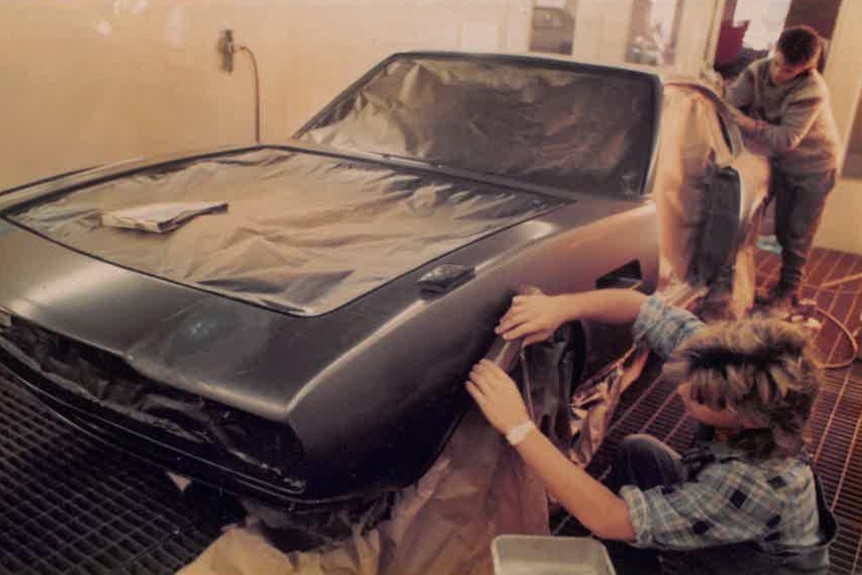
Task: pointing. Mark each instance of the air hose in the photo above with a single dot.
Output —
(808, 308)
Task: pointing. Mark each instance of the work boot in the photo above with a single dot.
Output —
(780, 299)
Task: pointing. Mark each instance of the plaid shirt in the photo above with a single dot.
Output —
(725, 497)
(662, 327)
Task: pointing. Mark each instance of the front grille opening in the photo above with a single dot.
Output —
(107, 381)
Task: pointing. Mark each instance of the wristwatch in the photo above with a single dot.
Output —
(518, 433)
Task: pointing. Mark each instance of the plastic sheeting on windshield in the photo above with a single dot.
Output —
(304, 233)
(544, 122)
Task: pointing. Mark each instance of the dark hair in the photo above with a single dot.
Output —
(765, 370)
(799, 44)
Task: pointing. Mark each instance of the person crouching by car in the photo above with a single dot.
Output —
(745, 501)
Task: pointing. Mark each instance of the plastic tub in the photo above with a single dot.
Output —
(533, 555)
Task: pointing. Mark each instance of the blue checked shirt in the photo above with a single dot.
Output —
(725, 498)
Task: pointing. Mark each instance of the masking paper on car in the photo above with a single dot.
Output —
(556, 124)
(705, 210)
(444, 524)
(304, 233)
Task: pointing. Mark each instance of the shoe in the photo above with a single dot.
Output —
(780, 299)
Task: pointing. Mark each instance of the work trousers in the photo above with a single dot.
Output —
(799, 201)
(646, 462)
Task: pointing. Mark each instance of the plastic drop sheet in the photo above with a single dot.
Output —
(303, 233)
(546, 123)
(443, 525)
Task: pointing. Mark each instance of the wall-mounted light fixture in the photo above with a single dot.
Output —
(227, 48)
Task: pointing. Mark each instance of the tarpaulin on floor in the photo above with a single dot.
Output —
(477, 489)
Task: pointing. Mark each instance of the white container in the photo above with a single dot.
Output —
(534, 555)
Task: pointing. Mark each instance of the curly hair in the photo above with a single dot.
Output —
(764, 369)
(799, 44)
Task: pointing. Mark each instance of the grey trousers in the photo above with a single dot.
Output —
(799, 201)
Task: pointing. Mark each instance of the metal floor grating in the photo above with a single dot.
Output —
(74, 506)
(651, 406)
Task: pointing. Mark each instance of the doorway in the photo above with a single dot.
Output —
(750, 28)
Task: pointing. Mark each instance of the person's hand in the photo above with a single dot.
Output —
(497, 396)
(533, 317)
(746, 123)
(713, 79)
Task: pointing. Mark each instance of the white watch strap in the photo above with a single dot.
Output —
(518, 433)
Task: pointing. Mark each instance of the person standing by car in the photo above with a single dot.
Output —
(784, 106)
(746, 501)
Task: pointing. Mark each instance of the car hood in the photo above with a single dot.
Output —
(303, 233)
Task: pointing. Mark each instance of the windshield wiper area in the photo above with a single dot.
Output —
(418, 161)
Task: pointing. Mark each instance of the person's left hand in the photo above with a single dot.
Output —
(533, 317)
(497, 396)
(746, 123)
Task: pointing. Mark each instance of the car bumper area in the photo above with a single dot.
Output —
(182, 432)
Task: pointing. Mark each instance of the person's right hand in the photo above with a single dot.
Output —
(497, 396)
(533, 317)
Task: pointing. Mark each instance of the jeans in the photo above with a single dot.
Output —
(646, 462)
(643, 461)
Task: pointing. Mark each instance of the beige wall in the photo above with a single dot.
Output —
(840, 226)
(600, 34)
(84, 82)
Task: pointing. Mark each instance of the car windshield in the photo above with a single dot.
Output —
(542, 122)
